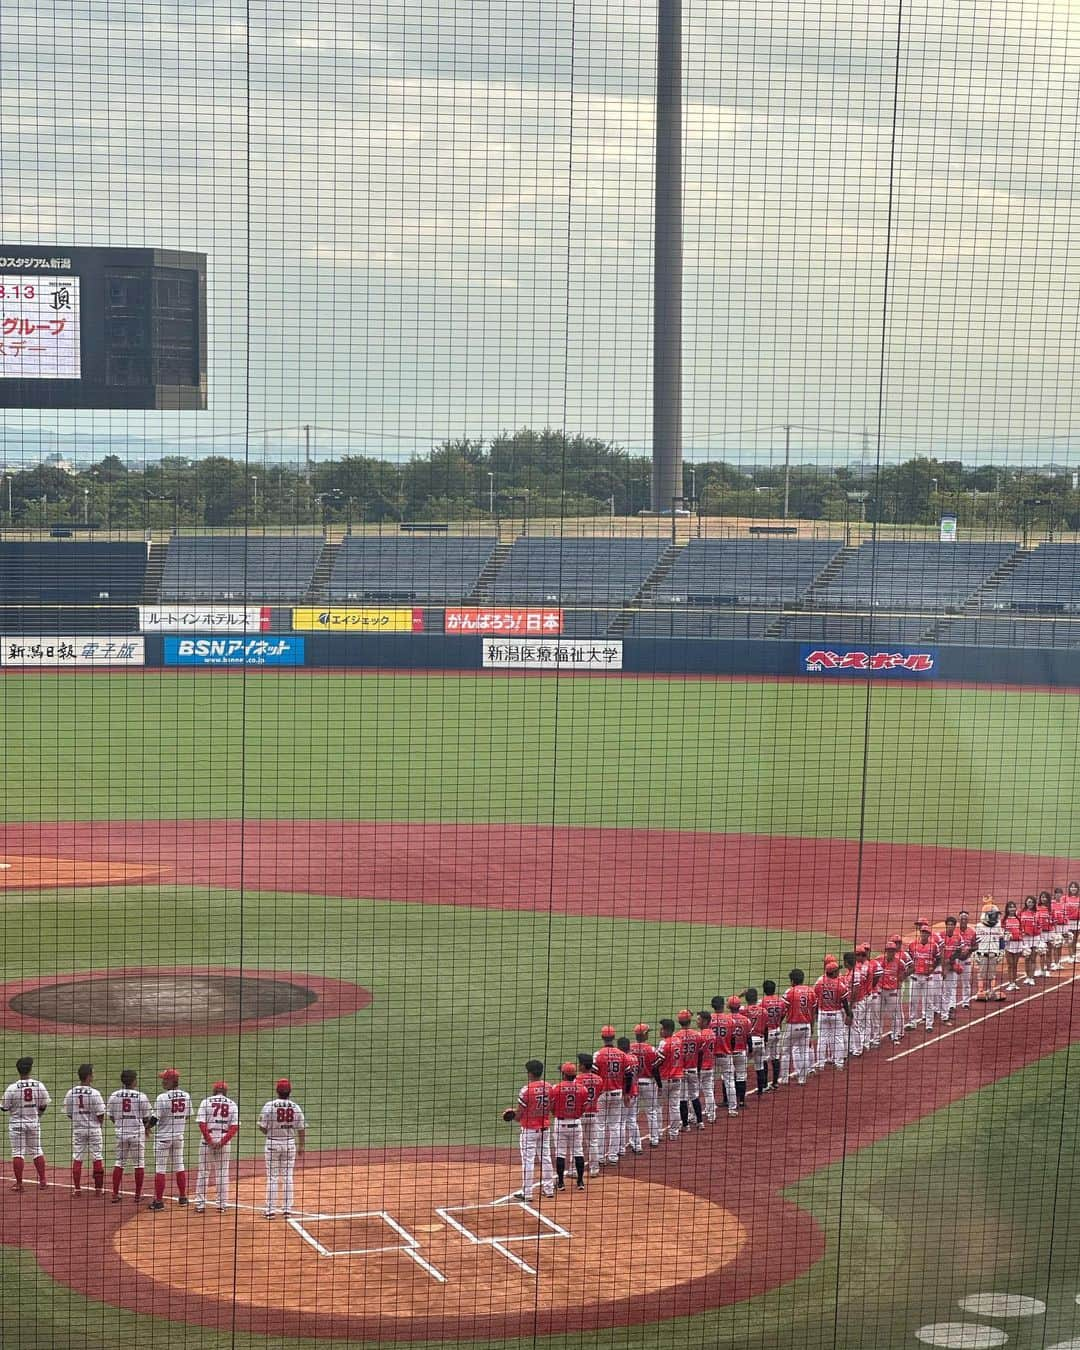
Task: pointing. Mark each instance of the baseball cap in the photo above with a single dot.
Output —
(169, 1073)
(685, 1014)
(221, 1087)
(922, 923)
(830, 960)
(283, 1085)
(607, 1031)
(734, 1003)
(890, 946)
(568, 1070)
(642, 1029)
(924, 926)
(831, 968)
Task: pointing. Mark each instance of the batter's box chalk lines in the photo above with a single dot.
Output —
(1055, 988)
(409, 1246)
(555, 1231)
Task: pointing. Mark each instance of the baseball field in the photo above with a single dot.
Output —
(396, 888)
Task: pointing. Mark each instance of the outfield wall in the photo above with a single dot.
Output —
(671, 656)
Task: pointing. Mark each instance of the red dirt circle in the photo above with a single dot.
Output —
(177, 1000)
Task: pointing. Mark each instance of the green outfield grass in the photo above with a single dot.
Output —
(958, 767)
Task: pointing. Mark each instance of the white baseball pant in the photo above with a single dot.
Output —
(630, 1136)
(609, 1124)
(725, 1066)
(86, 1141)
(25, 1136)
(649, 1102)
(569, 1139)
(707, 1086)
(831, 1039)
(922, 995)
(280, 1157)
(533, 1143)
(858, 1032)
(130, 1149)
(937, 993)
(169, 1155)
(948, 992)
(963, 983)
(590, 1128)
(873, 1024)
(691, 1085)
(213, 1165)
(671, 1094)
(799, 1044)
(892, 1014)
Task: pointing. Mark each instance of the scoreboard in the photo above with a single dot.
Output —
(102, 328)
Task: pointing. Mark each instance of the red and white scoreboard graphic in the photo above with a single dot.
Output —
(511, 622)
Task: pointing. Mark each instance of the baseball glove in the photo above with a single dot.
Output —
(509, 1114)
(149, 1123)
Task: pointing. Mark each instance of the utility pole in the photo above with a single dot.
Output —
(307, 451)
(667, 484)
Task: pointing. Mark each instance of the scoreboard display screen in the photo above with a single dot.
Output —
(102, 328)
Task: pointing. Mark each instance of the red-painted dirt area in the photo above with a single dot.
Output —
(791, 1134)
(679, 875)
(129, 999)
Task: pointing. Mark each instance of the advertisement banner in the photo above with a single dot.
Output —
(72, 651)
(234, 651)
(512, 622)
(907, 662)
(333, 620)
(947, 527)
(204, 618)
(567, 654)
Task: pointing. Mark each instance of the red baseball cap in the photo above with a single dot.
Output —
(606, 1031)
(685, 1015)
(890, 946)
(568, 1070)
(830, 960)
(283, 1085)
(831, 968)
(922, 923)
(924, 926)
(170, 1073)
(642, 1029)
(734, 1003)
(221, 1087)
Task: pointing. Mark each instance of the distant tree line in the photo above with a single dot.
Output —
(545, 473)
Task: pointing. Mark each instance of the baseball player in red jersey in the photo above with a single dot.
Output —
(647, 1059)
(720, 1022)
(740, 1047)
(756, 1015)
(630, 1136)
(707, 1065)
(873, 998)
(533, 1116)
(670, 1051)
(691, 1070)
(951, 943)
(890, 982)
(24, 1103)
(568, 1102)
(616, 1071)
(775, 1013)
(801, 1004)
(832, 1001)
(858, 976)
(967, 948)
(927, 957)
(590, 1081)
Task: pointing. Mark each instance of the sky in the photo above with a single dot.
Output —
(432, 218)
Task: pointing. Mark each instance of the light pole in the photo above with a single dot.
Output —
(254, 497)
(787, 468)
(86, 505)
(491, 493)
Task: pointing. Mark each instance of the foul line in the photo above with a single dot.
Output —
(1056, 987)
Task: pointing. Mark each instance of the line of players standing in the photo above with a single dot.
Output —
(281, 1121)
(593, 1114)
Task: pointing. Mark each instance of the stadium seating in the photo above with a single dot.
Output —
(746, 571)
(1014, 632)
(50, 573)
(910, 575)
(693, 621)
(866, 629)
(236, 568)
(569, 571)
(373, 568)
(1047, 579)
